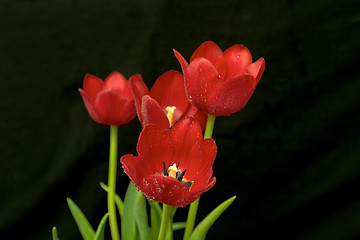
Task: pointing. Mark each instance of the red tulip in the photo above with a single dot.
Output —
(109, 102)
(220, 83)
(174, 165)
(168, 91)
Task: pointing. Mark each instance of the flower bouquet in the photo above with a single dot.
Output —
(174, 161)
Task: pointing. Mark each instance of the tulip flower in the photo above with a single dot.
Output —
(109, 102)
(173, 166)
(165, 103)
(220, 83)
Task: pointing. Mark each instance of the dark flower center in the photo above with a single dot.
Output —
(174, 172)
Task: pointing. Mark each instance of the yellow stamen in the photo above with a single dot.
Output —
(170, 114)
(173, 170)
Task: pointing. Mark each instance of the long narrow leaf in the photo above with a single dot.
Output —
(55, 234)
(119, 202)
(87, 232)
(99, 235)
(155, 217)
(128, 224)
(179, 225)
(201, 230)
(142, 219)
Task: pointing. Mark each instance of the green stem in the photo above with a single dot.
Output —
(164, 221)
(112, 182)
(194, 206)
(209, 126)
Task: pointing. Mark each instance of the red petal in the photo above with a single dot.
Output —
(153, 148)
(257, 69)
(89, 106)
(200, 160)
(237, 59)
(181, 60)
(213, 53)
(201, 81)
(131, 167)
(203, 185)
(184, 135)
(208, 50)
(117, 82)
(232, 95)
(152, 113)
(169, 91)
(139, 89)
(113, 108)
(92, 86)
(163, 189)
(198, 114)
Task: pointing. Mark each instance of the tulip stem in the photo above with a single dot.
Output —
(209, 126)
(194, 206)
(112, 182)
(164, 221)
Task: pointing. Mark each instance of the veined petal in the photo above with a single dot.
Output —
(232, 95)
(257, 69)
(92, 86)
(139, 89)
(152, 113)
(169, 91)
(237, 59)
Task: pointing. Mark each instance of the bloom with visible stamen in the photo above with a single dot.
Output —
(174, 166)
(166, 101)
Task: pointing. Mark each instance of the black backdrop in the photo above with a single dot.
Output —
(291, 156)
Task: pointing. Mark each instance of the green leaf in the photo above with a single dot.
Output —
(101, 228)
(87, 232)
(128, 224)
(179, 225)
(203, 227)
(118, 200)
(142, 219)
(55, 234)
(155, 217)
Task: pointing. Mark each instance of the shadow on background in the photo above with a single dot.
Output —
(291, 156)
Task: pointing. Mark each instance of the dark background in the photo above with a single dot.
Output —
(291, 156)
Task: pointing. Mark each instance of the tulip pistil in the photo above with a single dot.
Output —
(174, 172)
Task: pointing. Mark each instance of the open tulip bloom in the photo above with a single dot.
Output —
(165, 98)
(174, 165)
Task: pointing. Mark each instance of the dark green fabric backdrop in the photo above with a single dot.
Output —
(291, 156)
